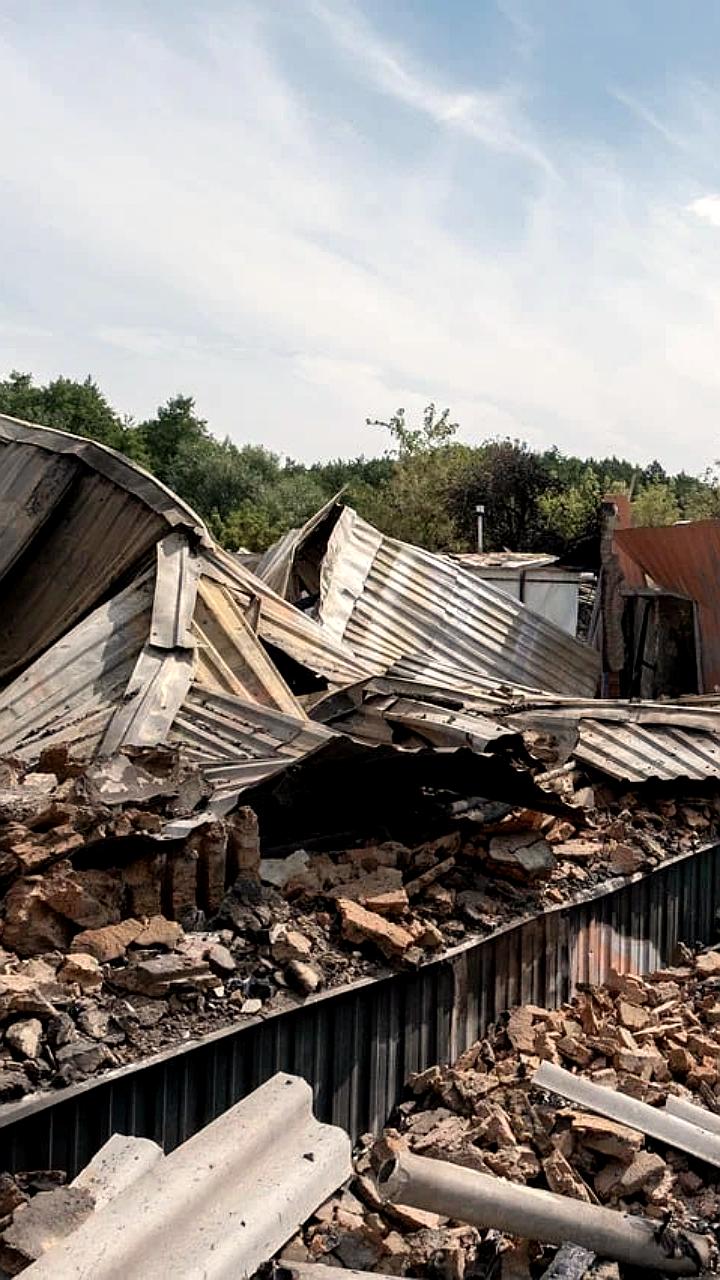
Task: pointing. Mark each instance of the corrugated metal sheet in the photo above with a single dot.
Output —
(685, 558)
(32, 483)
(388, 600)
(633, 742)
(280, 624)
(163, 672)
(632, 753)
(385, 715)
(231, 659)
(357, 1045)
(99, 536)
(277, 565)
(102, 460)
(68, 694)
(239, 743)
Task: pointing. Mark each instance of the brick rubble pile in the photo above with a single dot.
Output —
(645, 1037)
(117, 940)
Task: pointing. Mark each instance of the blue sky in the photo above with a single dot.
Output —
(310, 212)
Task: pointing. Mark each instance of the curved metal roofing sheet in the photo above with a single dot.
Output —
(389, 600)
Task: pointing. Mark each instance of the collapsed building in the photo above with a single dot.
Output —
(331, 810)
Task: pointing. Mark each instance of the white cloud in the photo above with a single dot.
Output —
(707, 208)
(491, 117)
(192, 215)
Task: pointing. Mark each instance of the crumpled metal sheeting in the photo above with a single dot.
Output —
(277, 565)
(377, 712)
(164, 670)
(283, 625)
(632, 742)
(106, 462)
(176, 584)
(387, 600)
(67, 695)
(97, 537)
(238, 744)
(420, 675)
(231, 658)
(31, 486)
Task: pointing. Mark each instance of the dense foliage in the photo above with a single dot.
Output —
(424, 489)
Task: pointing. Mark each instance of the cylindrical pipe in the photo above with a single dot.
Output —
(484, 1201)
(685, 1110)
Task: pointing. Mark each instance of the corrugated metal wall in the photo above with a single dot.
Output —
(358, 1045)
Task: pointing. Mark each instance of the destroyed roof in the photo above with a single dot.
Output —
(632, 742)
(54, 568)
(126, 638)
(151, 633)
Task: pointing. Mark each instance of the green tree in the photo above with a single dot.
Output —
(284, 502)
(435, 430)
(655, 505)
(571, 514)
(174, 427)
(215, 476)
(68, 405)
(508, 479)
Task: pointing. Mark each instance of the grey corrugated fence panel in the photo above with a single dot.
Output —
(357, 1045)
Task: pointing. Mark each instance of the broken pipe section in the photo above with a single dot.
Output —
(484, 1201)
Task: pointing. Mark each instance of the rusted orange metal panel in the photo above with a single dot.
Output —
(685, 558)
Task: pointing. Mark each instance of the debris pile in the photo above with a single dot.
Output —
(647, 1038)
(133, 920)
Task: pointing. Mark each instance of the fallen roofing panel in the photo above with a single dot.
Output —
(69, 693)
(56, 491)
(379, 711)
(631, 742)
(281, 625)
(221, 1204)
(388, 600)
(106, 462)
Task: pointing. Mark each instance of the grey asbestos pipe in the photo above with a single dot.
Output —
(684, 1110)
(484, 1201)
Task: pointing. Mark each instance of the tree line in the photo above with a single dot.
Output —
(424, 488)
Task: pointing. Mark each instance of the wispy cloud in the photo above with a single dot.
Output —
(206, 219)
(493, 118)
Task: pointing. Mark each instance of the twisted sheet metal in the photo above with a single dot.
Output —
(282, 625)
(633, 742)
(388, 600)
(69, 693)
(104, 461)
(358, 1044)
